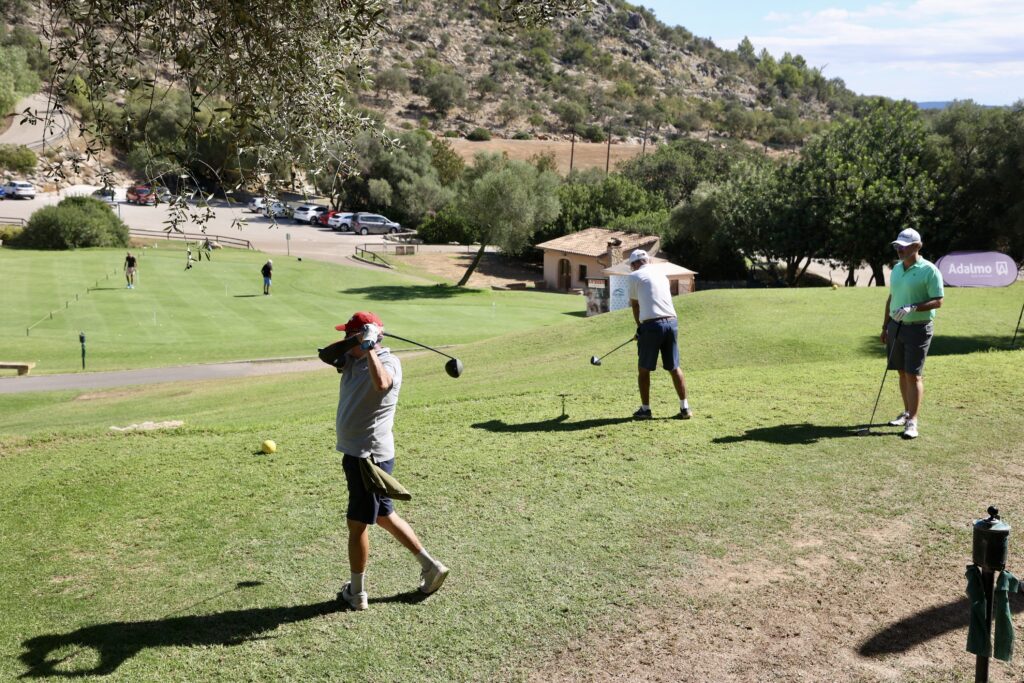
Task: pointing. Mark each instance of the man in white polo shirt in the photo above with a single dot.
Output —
(657, 331)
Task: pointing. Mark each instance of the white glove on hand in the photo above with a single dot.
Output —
(902, 313)
(371, 335)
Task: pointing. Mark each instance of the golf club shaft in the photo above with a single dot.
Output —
(429, 348)
(616, 348)
(888, 360)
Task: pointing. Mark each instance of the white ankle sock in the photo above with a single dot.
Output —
(684, 404)
(644, 406)
(358, 583)
(424, 558)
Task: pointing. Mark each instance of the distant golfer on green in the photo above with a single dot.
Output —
(131, 266)
(657, 331)
(267, 271)
(915, 294)
(370, 380)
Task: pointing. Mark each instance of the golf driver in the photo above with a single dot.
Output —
(867, 430)
(453, 367)
(594, 360)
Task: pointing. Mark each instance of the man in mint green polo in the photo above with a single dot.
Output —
(915, 294)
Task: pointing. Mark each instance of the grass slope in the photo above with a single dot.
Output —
(216, 311)
(183, 555)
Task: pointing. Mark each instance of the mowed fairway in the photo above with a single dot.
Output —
(760, 541)
(216, 310)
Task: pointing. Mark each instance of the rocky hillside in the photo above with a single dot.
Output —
(453, 67)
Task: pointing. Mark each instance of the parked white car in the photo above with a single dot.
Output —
(19, 189)
(258, 204)
(277, 210)
(309, 213)
(341, 221)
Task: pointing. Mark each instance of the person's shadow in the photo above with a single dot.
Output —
(803, 434)
(556, 424)
(118, 641)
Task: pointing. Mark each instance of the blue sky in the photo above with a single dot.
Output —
(921, 50)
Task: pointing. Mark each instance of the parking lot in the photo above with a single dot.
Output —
(283, 237)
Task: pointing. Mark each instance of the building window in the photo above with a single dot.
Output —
(583, 273)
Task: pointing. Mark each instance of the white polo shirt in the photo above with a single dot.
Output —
(652, 289)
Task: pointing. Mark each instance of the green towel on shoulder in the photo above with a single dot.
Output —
(380, 482)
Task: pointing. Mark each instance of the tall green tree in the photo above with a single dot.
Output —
(870, 178)
(505, 202)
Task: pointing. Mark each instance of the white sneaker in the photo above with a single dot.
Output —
(357, 601)
(431, 579)
(910, 431)
(899, 420)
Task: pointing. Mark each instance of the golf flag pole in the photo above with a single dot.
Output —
(81, 340)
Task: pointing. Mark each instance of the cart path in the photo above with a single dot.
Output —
(74, 381)
(179, 373)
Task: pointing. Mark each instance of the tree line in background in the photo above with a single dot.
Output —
(724, 208)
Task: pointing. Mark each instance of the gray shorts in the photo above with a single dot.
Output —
(911, 346)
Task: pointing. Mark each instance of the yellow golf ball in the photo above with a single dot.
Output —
(269, 446)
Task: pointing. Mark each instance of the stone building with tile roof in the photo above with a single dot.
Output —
(571, 260)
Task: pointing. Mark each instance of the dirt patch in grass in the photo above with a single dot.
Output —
(494, 269)
(818, 616)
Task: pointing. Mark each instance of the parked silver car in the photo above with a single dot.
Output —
(373, 224)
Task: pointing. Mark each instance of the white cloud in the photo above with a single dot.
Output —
(947, 43)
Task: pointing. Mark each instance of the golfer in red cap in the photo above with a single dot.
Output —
(370, 380)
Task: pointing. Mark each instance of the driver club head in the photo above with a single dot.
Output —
(453, 367)
(594, 360)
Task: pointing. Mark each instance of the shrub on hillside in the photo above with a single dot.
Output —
(9, 234)
(479, 135)
(17, 158)
(74, 222)
(447, 225)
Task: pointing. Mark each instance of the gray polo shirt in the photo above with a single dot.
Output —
(365, 415)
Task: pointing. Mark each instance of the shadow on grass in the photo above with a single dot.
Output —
(943, 345)
(105, 289)
(557, 424)
(247, 296)
(116, 642)
(803, 434)
(924, 626)
(406, 292)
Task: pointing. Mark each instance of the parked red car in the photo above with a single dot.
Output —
(141, 194)
(324, 217)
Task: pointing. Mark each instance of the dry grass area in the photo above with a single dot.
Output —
(586, 155)
(840, 602)
(494, 270)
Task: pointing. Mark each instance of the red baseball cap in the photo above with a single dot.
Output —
(358, 320)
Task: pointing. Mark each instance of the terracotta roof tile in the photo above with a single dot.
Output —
(594, 242)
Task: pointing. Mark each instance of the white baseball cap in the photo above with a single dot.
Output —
(637, 255)
(908, 237)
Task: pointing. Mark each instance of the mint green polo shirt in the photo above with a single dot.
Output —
(914, 285)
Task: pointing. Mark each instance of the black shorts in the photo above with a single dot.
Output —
(364, 506)
(909, 349)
